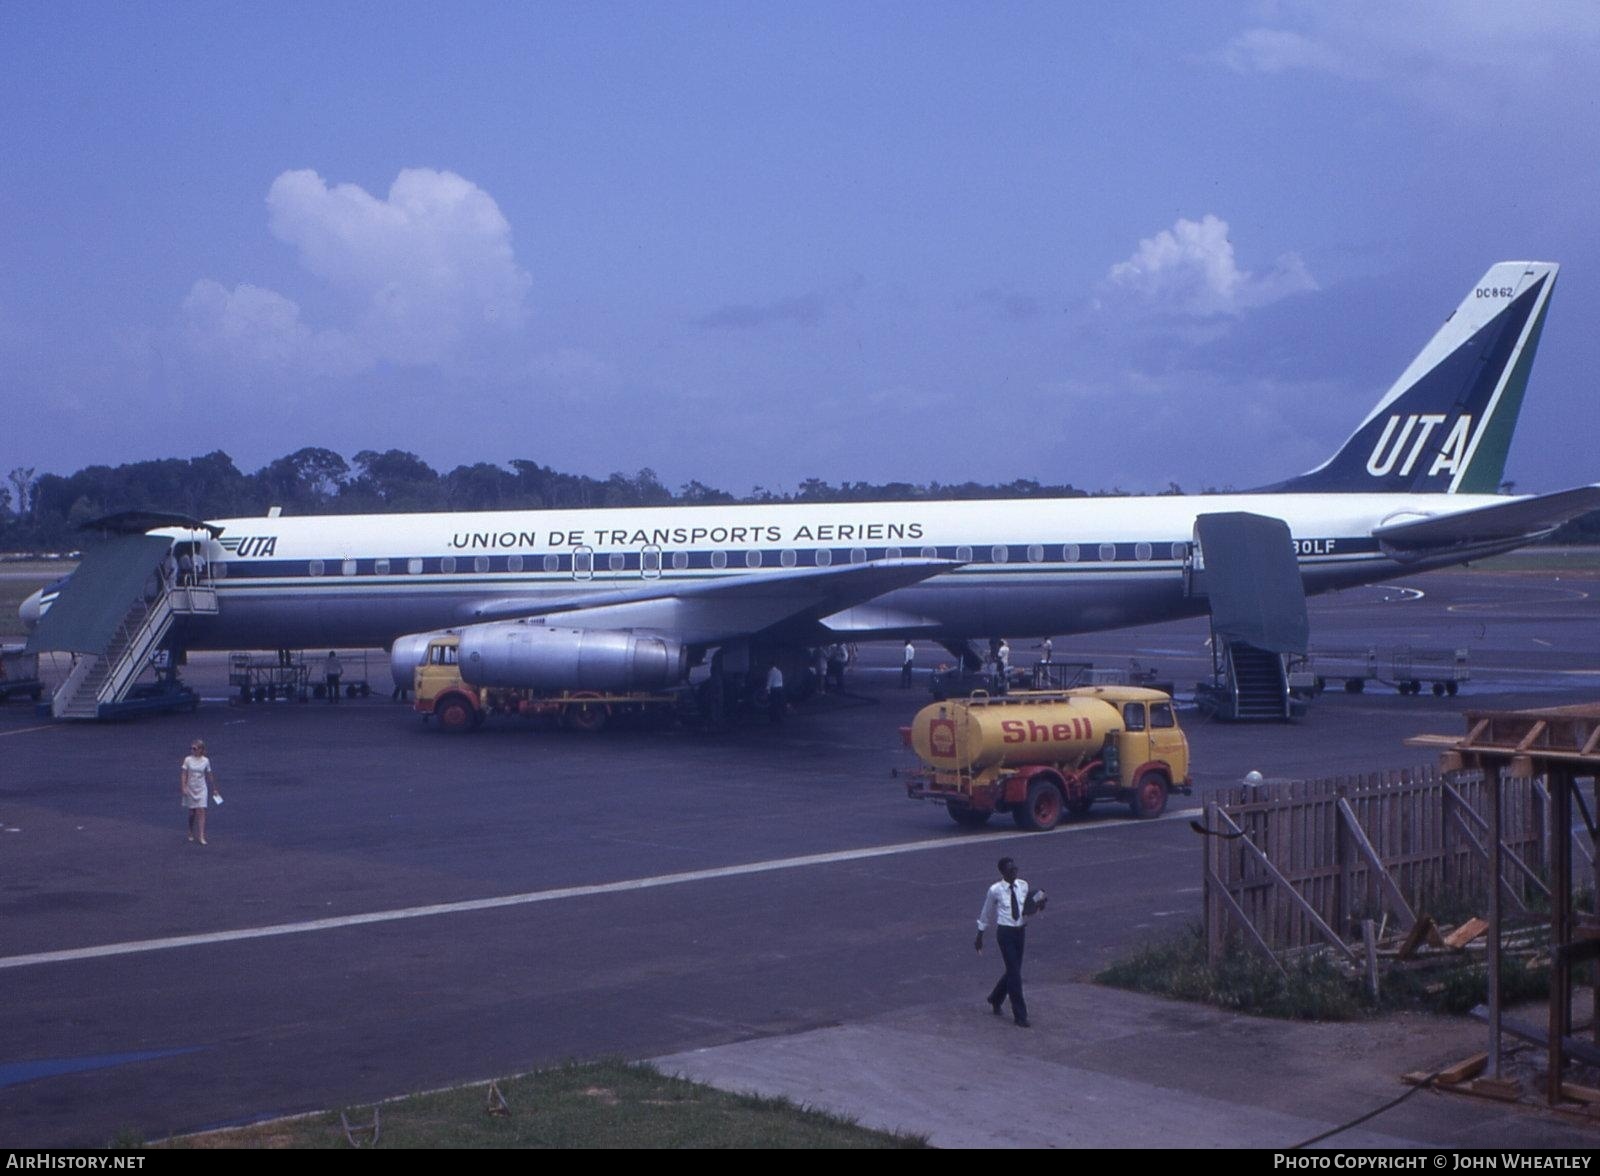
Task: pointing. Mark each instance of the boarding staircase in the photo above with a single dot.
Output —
(99, 681)
(1257, 683)
(1245, 567)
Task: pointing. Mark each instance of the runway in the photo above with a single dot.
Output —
(384, 908)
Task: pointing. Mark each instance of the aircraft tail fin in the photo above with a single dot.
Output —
(1446, 424)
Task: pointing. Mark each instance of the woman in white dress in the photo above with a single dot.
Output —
(197, 786)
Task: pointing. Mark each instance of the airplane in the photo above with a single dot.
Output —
(632, 598)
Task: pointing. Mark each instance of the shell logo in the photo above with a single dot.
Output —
(942, 738)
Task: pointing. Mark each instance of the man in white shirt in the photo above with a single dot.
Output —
(1006, 906)
(775, 696)
(908, 665)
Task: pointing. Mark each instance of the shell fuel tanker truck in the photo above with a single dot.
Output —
(1040, 755)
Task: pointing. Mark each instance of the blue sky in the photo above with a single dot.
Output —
(1118, 246)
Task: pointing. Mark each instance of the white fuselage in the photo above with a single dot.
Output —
(1029, 568)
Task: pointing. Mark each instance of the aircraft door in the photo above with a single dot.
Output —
(583, 563)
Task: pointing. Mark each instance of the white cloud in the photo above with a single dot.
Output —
(1190, 270)
(1465, 55)
(423, 274)
(252, 327)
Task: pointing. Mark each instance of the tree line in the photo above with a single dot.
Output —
(47, 512)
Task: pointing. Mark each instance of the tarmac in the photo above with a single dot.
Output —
(385, 908)
(1105, 1068)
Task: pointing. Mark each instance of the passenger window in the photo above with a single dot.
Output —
(414, 567)
(1069, 553)
(891, 553)
(787, 559)
(513, 563)
(1108, 552)
(1161, 715)
(618, 561)
(999, 553)
(314, 567)
(930, 553)
(650, 560)
(1133, 716)
(348, 567)
(380, 568)
(447, 564)
(858, 555)
(752, 558)
(680, 560)
(964, 553)
(824, 556)
(552, 563)
(480, 563)
(719, 559)
(1035, 553)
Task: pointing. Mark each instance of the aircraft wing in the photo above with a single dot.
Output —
(709, 611)
(1516, 521)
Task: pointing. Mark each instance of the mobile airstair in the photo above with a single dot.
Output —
(114, 615)
(1245, 567)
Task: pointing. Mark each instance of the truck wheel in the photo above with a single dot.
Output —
(1042, 809)
(966, 816)
(1149, 796)
(589, 717)
(455, 714)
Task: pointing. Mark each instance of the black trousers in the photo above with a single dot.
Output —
(1011, 941)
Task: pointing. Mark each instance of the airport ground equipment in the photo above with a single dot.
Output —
(19, 673)
(459, 705)
(1038, 755)
(1246, 566)
(268, 678)
(1408, 670)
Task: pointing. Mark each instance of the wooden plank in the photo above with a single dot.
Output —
(1466, 933)
(1463, 1070)
(1358, 836)
(1249, 927)
(1414, 938)
(1369, 937)
(1294, 896)
(1583, 1094)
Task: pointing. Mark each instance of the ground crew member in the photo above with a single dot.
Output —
(1007, 905)
(907, 665)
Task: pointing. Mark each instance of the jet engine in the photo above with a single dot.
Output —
(542, 657)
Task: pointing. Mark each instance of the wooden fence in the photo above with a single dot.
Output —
(1293, 864)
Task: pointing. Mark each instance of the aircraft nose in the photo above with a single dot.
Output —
(31, 609)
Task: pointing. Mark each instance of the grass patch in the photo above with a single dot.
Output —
(593, 1105)
(1316, 989)
(1177, 967)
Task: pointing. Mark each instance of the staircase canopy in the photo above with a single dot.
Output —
(1253, 581)
(111, 577)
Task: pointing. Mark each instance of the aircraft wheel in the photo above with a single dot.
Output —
(1354, 685)
(966, 816)
(1149, 796)
(1450, 688)
(1438, 689)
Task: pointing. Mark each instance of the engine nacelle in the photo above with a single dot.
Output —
(409, 652)
(540, 657)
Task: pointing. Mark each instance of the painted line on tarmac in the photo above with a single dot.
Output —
(26, 730)
(144, 946)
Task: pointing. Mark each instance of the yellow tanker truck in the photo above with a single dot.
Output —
(1038, 755)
